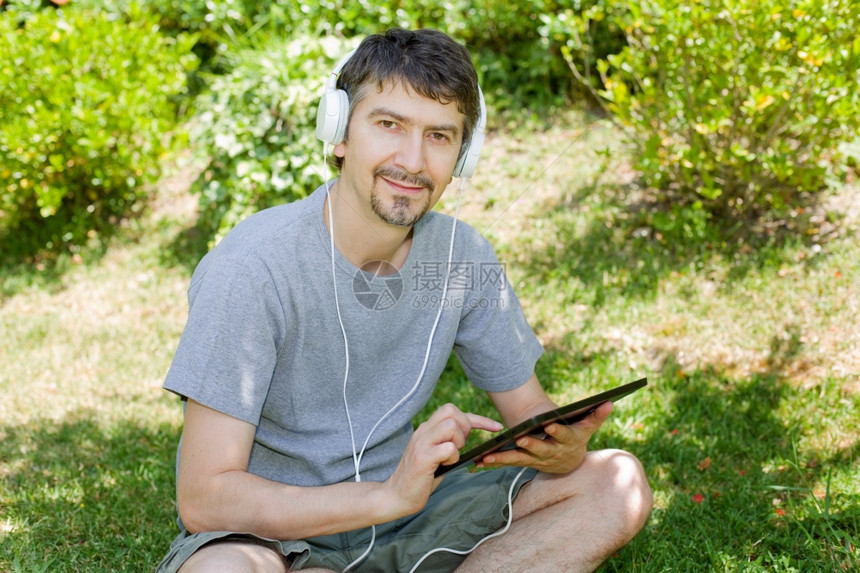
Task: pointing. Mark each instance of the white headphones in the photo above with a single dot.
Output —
(333, 115)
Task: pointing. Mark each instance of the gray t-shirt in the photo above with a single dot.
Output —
(263, 342)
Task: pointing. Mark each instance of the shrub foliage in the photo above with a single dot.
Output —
(265, 65)
(85, 107)
(733, 108)
(254, 129)
(520, 68)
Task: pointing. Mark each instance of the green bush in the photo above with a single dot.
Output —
(520, 69)
(255, 129)
(733, 108)
(85, 111)
(522, 73)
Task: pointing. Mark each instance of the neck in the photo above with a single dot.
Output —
(366, 243)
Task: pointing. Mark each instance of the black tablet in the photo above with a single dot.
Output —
(535, 425)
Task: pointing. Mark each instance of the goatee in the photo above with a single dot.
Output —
(401, 213)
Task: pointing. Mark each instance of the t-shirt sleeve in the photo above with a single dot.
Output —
(495, 343)
(227, 352)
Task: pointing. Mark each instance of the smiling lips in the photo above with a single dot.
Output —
(403, 181)
(408, 189)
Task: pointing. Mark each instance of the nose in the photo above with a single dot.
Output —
(410, 153)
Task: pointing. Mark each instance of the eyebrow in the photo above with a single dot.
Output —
(386, 112)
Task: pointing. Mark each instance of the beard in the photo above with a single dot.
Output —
(405, 211)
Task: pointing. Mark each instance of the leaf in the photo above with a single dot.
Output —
(763, 101)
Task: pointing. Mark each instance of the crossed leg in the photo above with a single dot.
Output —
(236, 556)
(571, 522)
(561, 523)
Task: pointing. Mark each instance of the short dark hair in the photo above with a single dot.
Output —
(428, 61)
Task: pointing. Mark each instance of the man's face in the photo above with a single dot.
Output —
(400, 153)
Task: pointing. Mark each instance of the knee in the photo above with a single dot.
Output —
(234, 556)
(625, 486)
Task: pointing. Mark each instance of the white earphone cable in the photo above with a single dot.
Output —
(337, 307)
(501, 531)
(355, 458)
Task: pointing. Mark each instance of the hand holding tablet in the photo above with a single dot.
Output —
(535, 425)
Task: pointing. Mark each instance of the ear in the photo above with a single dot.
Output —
(339, 150)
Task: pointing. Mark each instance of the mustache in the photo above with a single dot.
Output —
(401, 176)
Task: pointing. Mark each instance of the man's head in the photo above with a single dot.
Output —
(426, 61)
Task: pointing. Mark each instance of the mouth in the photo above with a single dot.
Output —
(404, 183)
(404, 188)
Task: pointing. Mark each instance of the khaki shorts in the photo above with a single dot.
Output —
(465, 508)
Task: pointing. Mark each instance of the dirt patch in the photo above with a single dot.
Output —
(172, 195)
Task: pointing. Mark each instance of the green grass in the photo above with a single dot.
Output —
(748, 429)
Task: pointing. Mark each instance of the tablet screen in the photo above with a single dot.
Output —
(565, 415)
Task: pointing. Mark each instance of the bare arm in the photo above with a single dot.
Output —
(215, 491)
(564, 448)
(522, 403)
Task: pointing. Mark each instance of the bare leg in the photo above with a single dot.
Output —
(572, 522)
(238, 557)
(234, 556)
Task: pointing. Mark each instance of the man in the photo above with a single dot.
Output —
(316, 332)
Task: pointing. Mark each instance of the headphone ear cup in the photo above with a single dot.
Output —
(465, 167)
(332, 116)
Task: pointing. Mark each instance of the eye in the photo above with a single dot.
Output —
(440, 137)
(387, 124)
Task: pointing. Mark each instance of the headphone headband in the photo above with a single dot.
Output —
(333, 116)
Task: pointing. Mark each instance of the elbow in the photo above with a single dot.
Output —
(193, 514)
(198, 509)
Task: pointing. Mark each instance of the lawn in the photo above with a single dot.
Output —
(748, 428)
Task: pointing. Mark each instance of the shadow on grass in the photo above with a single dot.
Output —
(187, 247)
(44, 271)
(610, 249)
(176, 246)
(738, 487)
(18, 276)
(78, 496)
